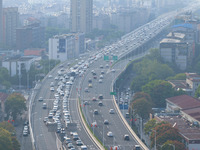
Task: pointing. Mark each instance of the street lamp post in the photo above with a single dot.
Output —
(155, 137)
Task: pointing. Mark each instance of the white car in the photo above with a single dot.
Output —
(110, 134)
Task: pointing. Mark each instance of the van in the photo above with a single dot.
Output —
(83, 147)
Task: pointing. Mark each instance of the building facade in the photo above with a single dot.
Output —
(67, 46)
(17, 66)
(81, 15)
(31, 36)
(174, 51)
(10, 23)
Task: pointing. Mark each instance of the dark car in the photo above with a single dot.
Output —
(100, 96)
(126, 137)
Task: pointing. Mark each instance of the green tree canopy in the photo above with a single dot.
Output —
(149, 126)
(159, 90)
(141, 107)
(15, 105)
(180, 76)
(164, 132)
(5, 140)
(8, 126)
(148, 70)
(4, 77)
(168, 145)
(139, 95)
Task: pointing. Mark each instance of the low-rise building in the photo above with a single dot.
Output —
(174, 51)
(189, 85)
(15, 66)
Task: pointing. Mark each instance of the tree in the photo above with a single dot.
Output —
(149, 126)
(141, 107)
(159, 90)
(139, 95)
(180, 76)
(5, 140)
(197, 93)
(8, 126)
(15, 105)
(4, 77)
(164, 132)
(15, 143)
(168, 145)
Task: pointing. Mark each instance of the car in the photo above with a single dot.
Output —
(100, 80)
(75, 136)
(111, 111)
(110, 134)
(94, 99)
(45, 119)
(96, 112)
(44, 105)
(79, 143)
(113, 70)
(102, 72)
(90, 80)
(101, 66)
(100, 103)
(62, 131)
(90, 85)
(52, 89)
(25, 133)
(83, 147)
(70, 145)
(100, 96)
(94, 77)
(126, 137)
(40, 99)
(86, 90)
(50, 115)
(85, 103)
(94, 124)
(106, 122)
(68, 140)
(101, 76)
(50, 76)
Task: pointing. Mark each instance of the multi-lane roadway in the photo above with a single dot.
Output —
(45, 140)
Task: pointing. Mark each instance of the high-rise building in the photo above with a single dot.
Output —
(1, 23)
(67, 46)
(30, 36)
(81, 14)
(10, 23)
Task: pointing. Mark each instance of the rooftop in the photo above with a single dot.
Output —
(170, 40)
(184, 127)
(179, 84)
(185, 25)
(184, 102)
(33, 52)
(176, 35)
(194, 113)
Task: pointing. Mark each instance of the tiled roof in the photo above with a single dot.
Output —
(184, 101)
(189, 132)
(194, 113)
(33, 52)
